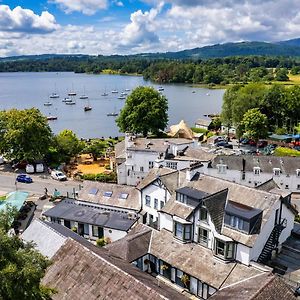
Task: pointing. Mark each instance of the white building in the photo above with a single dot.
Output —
(135, 157)
(255, 170)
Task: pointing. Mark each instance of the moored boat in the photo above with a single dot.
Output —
(53, 96)
(48, 103)
(160, 89)
(70, 102)
(67, 100)
(51, 118)
(87, 108)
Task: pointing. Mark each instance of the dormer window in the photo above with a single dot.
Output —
(256, 170)
(224, 250)
(298, 172)
(171, 165)
(221, 168)
(181, 197)
(276, 171)
(203, 214)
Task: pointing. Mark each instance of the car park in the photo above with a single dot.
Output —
(58, 175)
(24, 178)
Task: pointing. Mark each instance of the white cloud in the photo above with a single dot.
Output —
(25, 20)
(87, 7)
(119, 3)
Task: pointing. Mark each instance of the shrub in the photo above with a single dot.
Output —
(281, 151)
(103, 241)
(107, 167)
(280, 131)
(199, 130)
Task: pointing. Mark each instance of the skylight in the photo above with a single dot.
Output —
(107, 194)
(123, 196)
(93, 191)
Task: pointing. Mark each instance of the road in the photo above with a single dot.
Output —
(40, 182)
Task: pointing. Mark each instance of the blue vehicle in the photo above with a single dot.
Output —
(24, 178)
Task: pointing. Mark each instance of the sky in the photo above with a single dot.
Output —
(135, 26)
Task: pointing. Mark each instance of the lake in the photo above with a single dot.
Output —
(26, 90)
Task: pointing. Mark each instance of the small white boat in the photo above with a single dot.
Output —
(122, 97)
(87, 108)
(83, 97)
(48, 103)
(53, 96)
(70, 102)
(72, 94)
(208, 94)
(114, 92)
(112, 114)
(52, 118)
(104, 94)
(127, 90)
(160, 89)
(124, 94)
(67, 100)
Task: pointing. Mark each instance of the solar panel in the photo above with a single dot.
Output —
(93, 191)
(107, 194)
(123, 196)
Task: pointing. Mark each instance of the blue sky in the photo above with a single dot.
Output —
(135, 26)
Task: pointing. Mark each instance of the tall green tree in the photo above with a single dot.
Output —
(145, 111)
(21, 267)
(24, 134)
(96, 148)
(255, 124)
(68, 144)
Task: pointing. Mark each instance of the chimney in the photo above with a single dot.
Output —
(159, 163)
(129, 140)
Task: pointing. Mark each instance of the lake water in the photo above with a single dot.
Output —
(26, 90)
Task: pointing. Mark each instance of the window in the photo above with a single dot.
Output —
(151, 164)
(224, 249)
(236, 222)
(171, 165)
(142, 169)
(181, 198)
(286, 186)
(298, 186)
(182, 231)
(203, 214)
(93, 191)
(155, 203)
(148, 200)
(86, 229)
(107, 194)
(95, 231)
(162, 204)
(276, 171)
(123, 196)
(256, 170)
(222, 168)
(203, 236)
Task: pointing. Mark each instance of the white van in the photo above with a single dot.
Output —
(1, 160)
(58, 175)
(39, 168)
(29, 169)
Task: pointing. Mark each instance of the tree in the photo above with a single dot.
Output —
(21, 268)
(255, 124)
(282, 75)
(96, 148)
(68, 145)
(145, 111)
(24, 134)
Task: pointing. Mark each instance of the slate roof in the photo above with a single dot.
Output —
(267, 186)
(169, 177)
(203, 122)
(68, 210)
(156, 145)
(199, 154)
(120, 150)
(88, 273)
(240, 194)
(287, 165)
(86, 193)
(192, 193)
(197, 260)
(175, 208)
(133, 246)
(265, 286)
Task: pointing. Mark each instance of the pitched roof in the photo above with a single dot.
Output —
(203, 122)
(264, 286)
(82, 273)
(133, 246)
(240, 194)
(267, 186)
(181, 130)
(199, 154)
(197, 260)
(69, 210)
(120, 150)
(287, 165)
(92, 191)
(175, 208)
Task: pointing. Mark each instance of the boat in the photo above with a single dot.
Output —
(193, 92)
(83, 96)
(112, 114)
(114, 92)
(127, 90)
(70, 102)
(87, 108)
(67, 100)
(208, 94)
(51, 118)
(124, 94)
(104, 94)
(160, 89)
(48, 103)
(72, 94)
(54, 96)
(122, 97)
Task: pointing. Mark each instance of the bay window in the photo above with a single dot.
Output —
(224, 249)
(183, 231)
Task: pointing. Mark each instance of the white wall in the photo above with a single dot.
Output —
(114, 234)
(165, 221)
(243, 254)
(155, 192)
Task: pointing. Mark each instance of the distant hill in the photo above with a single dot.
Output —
(289, 48)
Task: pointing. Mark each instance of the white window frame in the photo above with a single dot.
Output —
(148, 198)
(298, 172)
(276, 171)
(222, 168)
(256, 171)
(171, 165)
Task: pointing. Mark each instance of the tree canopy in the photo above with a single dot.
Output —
(21, 267)
(24, 134)
(255, 124)
(145, 110)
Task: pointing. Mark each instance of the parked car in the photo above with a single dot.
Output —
(262, 144)
(244, 141)
(58, 175)
(252, 143)
(24, 178)
(29, 169)
(224, 144)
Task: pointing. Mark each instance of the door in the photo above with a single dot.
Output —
(67, 224)
(100, 232)
(80, 228)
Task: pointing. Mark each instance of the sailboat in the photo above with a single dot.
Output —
(87, 107)
(112, 114)
(47, 103)
(54, 95)
(72, 93)
(83, 96)
(104, 94)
